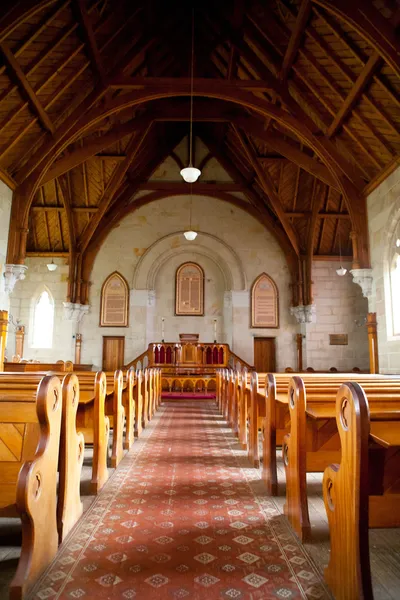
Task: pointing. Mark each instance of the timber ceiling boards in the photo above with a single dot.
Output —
(63, 60)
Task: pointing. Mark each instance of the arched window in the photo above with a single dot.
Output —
(114, 301)
(264, 302)
(189, 298)
(43, 321)
(395, 280)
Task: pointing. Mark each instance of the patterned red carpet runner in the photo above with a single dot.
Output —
(180, 519)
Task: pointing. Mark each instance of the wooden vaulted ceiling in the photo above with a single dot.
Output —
(331, 66)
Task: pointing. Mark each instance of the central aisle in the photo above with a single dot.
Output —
(180, 519)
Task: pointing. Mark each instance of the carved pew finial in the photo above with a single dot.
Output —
(345, 489)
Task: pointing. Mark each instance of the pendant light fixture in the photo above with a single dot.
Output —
(190, 174)
(51, 266)
(190, 235)
(341, 271)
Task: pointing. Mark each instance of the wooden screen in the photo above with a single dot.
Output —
(114, 302)
(189, 297)
(264, 355)
(264, 302)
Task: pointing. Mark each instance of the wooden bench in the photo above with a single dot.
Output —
(363, 491)
(277, 418)
(30, 431)
(21, 389)
(313, 442)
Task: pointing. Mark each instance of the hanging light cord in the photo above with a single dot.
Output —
(340, 246)
(190, 207)
(191, 94)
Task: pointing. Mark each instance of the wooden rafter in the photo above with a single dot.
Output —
(355, 94)
(296, 37)
(89, 39)
(269, 189)
(26, 88)
(370, 24)
(133, 148)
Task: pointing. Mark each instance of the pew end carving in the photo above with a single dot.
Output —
(294, 460)
(72, 447)
(345, 490)
(101, 433)
(36, 495)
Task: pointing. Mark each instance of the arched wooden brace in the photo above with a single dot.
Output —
(73, 128)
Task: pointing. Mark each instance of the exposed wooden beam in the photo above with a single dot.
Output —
(321, 215)
(76, 209)
(296, 37)
(133, 148)
(141, 83)
(287, 149)
(27, 90)
(89, 39)
(355, 94)
(332, 258)
(47, 254)
(269, 189)
(370, 24)
(90, 149)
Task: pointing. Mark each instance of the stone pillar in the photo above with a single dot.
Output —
(299, 343)
(19, 340)
(3, 336)
(78, 348)
(373, 343)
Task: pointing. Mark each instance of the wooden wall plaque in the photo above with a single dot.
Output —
(114, 304)
(338, 339)
(264, 303)
(189, 290)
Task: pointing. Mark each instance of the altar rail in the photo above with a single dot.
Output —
(186, 355)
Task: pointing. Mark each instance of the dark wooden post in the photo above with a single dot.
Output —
(373, 343)
(78, 348)
(299, 342)
(3, 336)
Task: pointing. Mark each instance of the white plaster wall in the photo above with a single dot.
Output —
(220, 224)
(21, 307)
(340, 308)
(5, 210)
(383, 212)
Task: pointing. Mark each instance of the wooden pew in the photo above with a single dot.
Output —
(31, 428)
(277, 422)
(313, 442)
(364, 490)
(21, 389)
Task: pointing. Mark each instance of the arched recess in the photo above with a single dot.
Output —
(76, 125)
(264, 302)
(41, 320)
(224, 257)
(115, 218)
(114, 301)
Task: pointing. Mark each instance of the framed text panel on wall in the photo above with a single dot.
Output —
(264, 303)
(189, 290)
(114, 306)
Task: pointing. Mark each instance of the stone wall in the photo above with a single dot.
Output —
(383, 215)
(233, 249)
(5, 210)
(22, 300)
(340, 308)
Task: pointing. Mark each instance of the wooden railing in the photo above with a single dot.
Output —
(181, 355)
